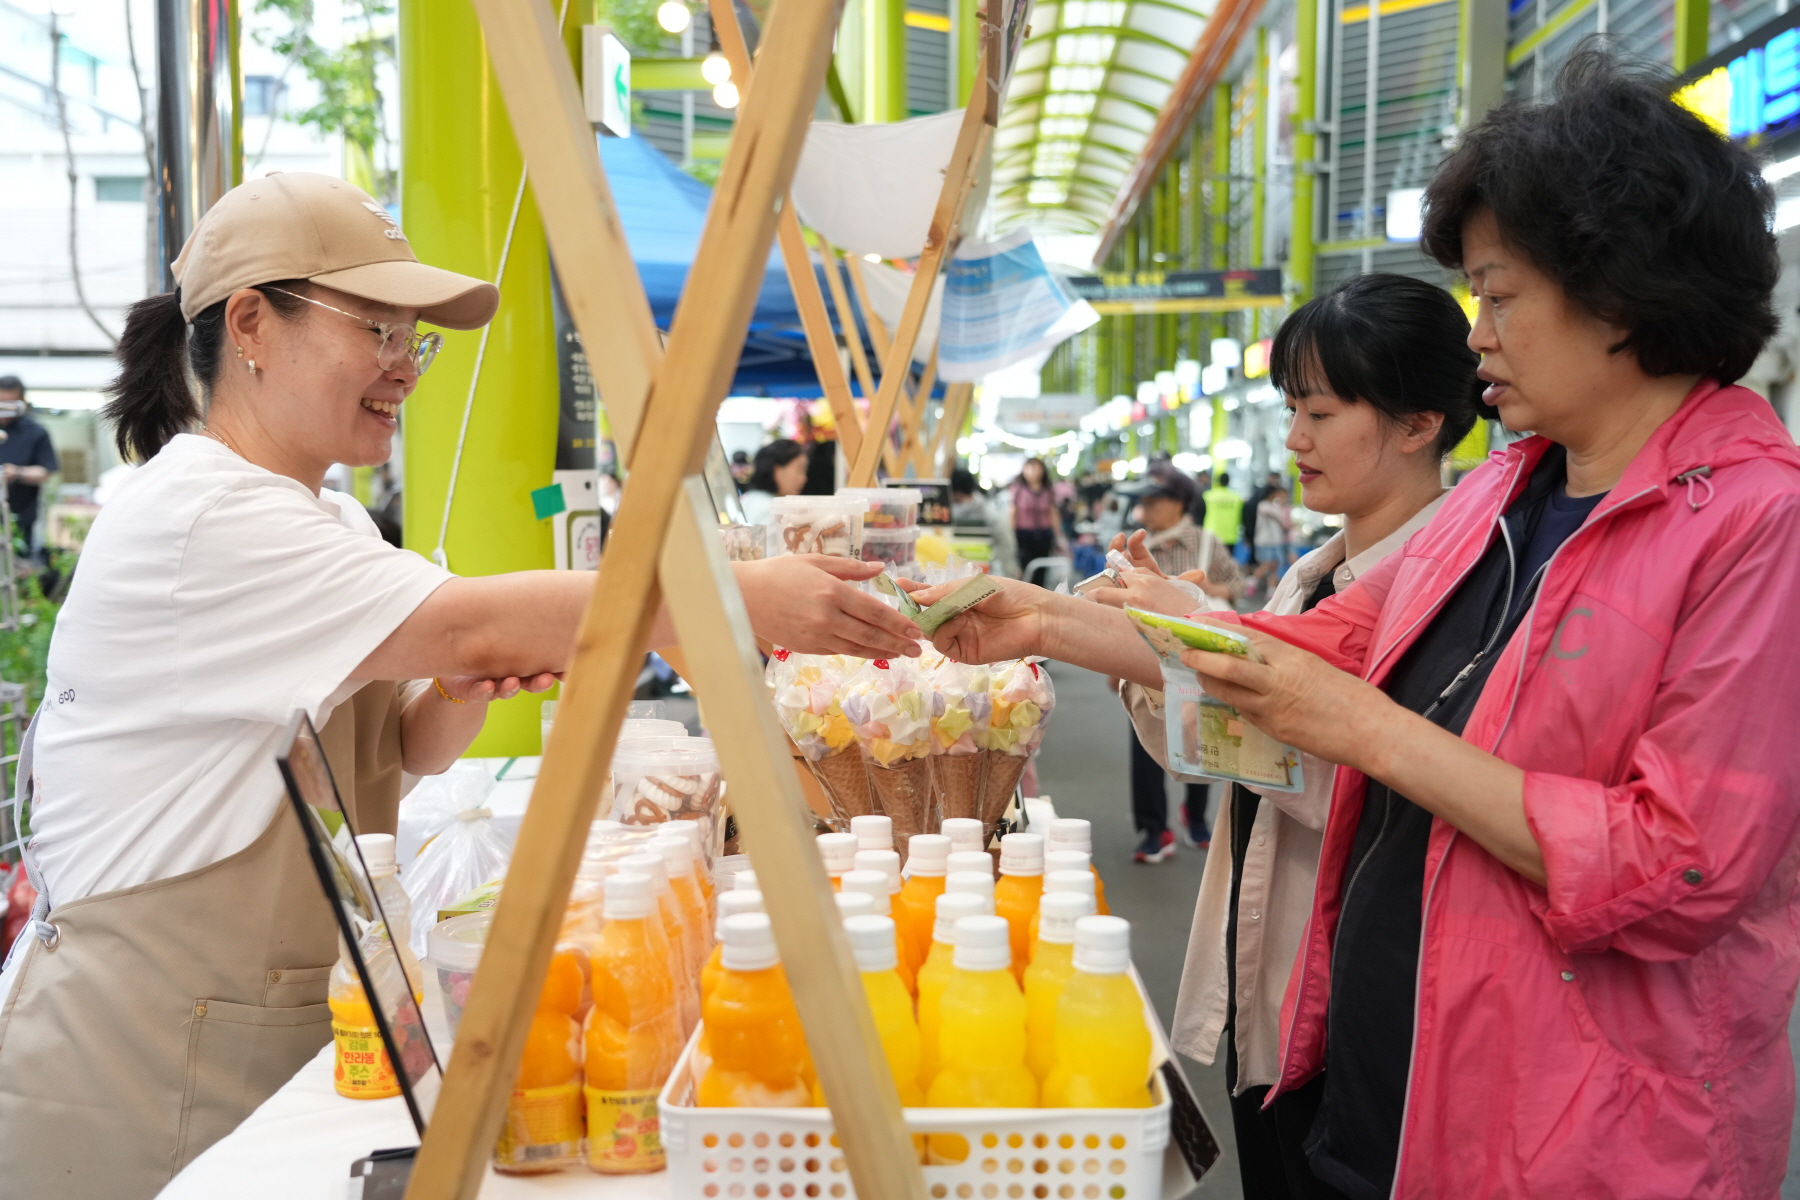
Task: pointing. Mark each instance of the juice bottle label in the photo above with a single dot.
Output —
(624, 1131)
(543, 1127)
(363, 1070)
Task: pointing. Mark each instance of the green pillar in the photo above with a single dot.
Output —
(851, 60)
(1259, 150)
(884, 55)
(1221, 173)
(967, 35)
(1301, 237)
(1690, 41)
(459, 172)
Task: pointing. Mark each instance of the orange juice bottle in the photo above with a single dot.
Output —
(684, 882)
(759, 1057)
(702, 856)
(633, 1036)
(885, 861)
(873, 832)
(970, 860)
(934, 973)
(838, 850)
(1052, 962)
(854, 904)
(544, 1122)
(872, 939)
(682, 942)
(964, 834)
(981, 1024)
(361, 1068)
(915, 910)
(976, 883)
(1021, 886)
(879, 886)
(1073, 833)
(1103, 1046)
(1063, 876)
(730, 904)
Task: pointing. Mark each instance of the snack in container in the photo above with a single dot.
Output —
(1021, 697)
(815, 525)
(888, 507)
(888, 703)
(894, 547)
(806, 689)
(744, 543)
(657, 780)
(456, 946)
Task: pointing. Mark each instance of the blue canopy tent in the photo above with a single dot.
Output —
(663, 210)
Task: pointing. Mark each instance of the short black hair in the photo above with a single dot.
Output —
(1394, 342)
(1641, 212)
(12, 383)
(778, 453)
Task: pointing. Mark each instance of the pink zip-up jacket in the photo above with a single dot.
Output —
(1621, 1031)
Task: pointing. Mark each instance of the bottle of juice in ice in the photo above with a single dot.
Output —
(838, 850)
(759, 1057)
(545, 1120)
(872, 941)
(981, 1024)
(682, 943)
(1073, 833)
(1016, 895)
(915, 910)
(970, 860)
(934, 972)
(633, 1036)
(964, 834)
(1052, 962)
(1102, 1043)
(1065, 878)
(873, 832)
(678, 860)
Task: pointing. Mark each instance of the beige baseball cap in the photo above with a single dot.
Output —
(297, 225)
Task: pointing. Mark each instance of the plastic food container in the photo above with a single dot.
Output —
(889, 507)
(744, 543)
(455, 951)
(815, 525)
(669, 779)
(891, 546)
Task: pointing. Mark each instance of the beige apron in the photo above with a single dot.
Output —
(148, 1022)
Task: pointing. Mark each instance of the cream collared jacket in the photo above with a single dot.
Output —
(1281, 862)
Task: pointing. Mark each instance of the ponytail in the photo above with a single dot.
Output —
(152, 400)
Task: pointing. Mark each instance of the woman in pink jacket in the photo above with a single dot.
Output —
(1553, 949)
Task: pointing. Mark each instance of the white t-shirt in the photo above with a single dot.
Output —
(214, 599)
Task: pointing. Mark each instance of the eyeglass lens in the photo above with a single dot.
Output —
(403, 342)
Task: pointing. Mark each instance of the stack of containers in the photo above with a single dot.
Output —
(815, 525)
(890, 523)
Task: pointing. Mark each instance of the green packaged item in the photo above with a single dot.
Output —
(473, 900)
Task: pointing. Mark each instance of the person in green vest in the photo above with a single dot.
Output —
(1224, 511)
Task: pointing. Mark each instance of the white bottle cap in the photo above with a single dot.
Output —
(1022, 854)
(873, 833)
(854, 904)
(982, 944)
(928, 854)
(1067, 860)
(677, 853)
(377, 853)
(1071, 833)
(733, 903)
(1070, 881)
(630, 896)
(651, 865)
(1057, 914)
(604, 831)
(1102, 945)
(872, 941)
(978, 883)
(745, 881)
(749, 943)
(881, 860)
(838, 850)
(875, 883)
(954, 905)
(964, 833)
(692, 830)
(969, 860)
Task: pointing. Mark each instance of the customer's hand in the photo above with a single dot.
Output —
(1133, 548)
(1154, 593)
(1009, 624)
(802, 602)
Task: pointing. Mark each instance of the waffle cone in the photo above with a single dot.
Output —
(846, 785)
(959, 783)
(999, 780)
(906, 793)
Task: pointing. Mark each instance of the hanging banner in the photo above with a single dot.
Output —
(1002, 306)
(1180, 291)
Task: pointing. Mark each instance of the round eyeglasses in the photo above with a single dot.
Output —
(399, 343)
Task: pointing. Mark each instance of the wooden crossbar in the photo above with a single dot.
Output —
(665, 543)
(949, 427)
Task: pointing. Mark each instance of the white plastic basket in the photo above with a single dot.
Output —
(1013, 1153)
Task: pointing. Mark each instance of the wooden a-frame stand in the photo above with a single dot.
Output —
(665, 549)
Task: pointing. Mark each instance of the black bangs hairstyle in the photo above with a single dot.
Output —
(778, 453)
(1645, 216)
(1397, 344)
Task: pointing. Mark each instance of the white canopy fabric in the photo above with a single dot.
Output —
(871, 189)
(887, 296)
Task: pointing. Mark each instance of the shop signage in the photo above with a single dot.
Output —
(1750, 91)
(1179, 291)
(606, 80)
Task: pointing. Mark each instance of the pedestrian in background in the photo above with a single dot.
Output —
(27, 460)
(1274, 533)
(1036, 521)
(1224, 512)
(780, 470)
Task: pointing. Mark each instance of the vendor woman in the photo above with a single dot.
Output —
(178, 976)
(1553, 947)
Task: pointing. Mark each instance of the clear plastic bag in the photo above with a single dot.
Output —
(469, 852)
(428, 809)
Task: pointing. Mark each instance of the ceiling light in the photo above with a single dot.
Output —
(715, 70)
(726, 95)
(674, 16)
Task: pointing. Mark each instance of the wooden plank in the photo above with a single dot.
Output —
(878, 330)
(538, 84)
(914, 449)
(847, 320)
(949, 427)
(971, 139)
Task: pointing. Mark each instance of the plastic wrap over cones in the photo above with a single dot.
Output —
(889, 705)
(807, 688)
(959, 708)
(1020, 698)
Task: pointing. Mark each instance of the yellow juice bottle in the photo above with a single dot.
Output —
(759, 1057)
(1073, 833)
(1017, 893)
(838, 851)
(545, 1121)
(934, 972)
(872, 940)
(633, 1036)
(1102, 1042)
(682, 943)
(873, 832)
(1052, 962)
(702, 858)
(730, 904)
(981, 1024)
(684, 882)
(1061, 877)
(915, 909)
(877, 886)
(361, 1068)
(964, 834)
